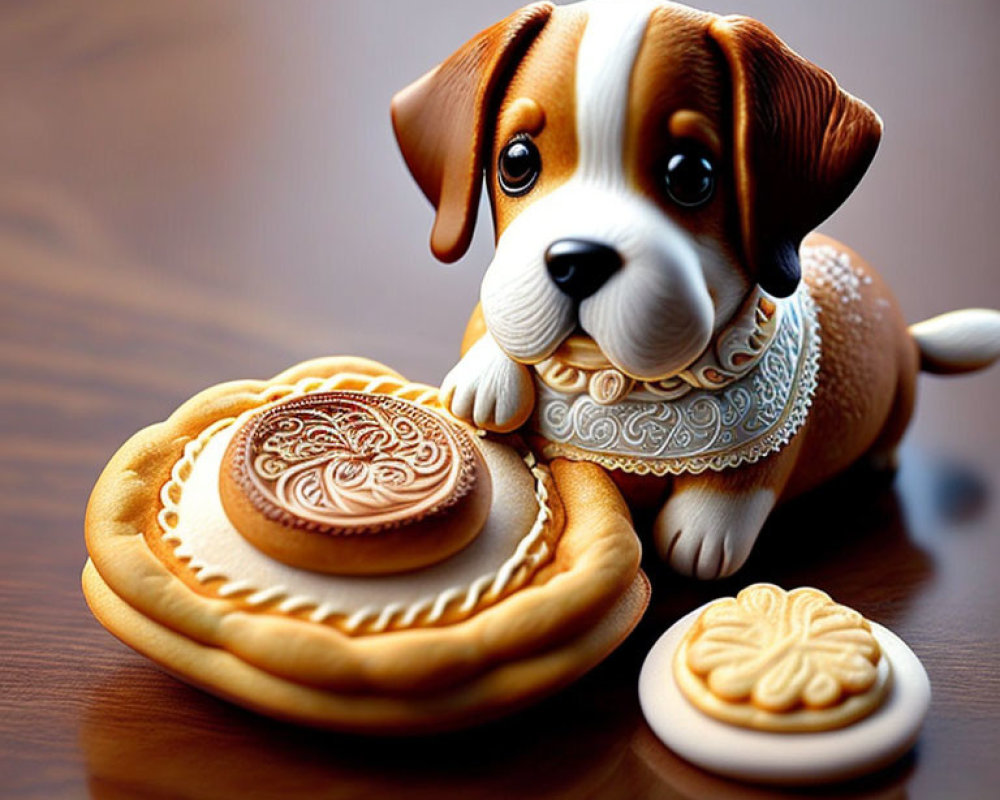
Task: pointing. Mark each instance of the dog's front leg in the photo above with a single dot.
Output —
(489, 389)
(711, 521)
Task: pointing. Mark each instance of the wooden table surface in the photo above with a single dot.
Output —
(192, 192)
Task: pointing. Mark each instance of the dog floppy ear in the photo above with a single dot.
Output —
(442, 124)
(800, 146)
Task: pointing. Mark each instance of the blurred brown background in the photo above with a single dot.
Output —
(194, 191)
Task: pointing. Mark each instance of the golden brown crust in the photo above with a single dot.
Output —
(596, 560)
(497, 691)
(431, 521)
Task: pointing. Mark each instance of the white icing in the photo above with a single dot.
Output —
(702, 429)
(789, 758)
(501, 558)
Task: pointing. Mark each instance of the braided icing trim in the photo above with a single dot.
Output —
(460, 602)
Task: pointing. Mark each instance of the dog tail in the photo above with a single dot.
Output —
(959, 341)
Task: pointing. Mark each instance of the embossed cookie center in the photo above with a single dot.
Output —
(347, 462)
(779, 660)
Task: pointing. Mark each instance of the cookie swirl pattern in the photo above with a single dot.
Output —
(352, 463)
(451, 604)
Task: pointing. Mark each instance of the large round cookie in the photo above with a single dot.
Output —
(544, 591)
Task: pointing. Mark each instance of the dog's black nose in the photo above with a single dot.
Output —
(580, 267)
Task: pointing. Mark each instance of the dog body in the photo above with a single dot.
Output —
(655, 173)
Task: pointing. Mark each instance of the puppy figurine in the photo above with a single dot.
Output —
(658, 302)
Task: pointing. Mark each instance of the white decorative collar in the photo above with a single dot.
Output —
(743, 399)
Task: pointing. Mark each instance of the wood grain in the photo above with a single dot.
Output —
(198, 191)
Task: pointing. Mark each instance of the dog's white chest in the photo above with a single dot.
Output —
(697, 429)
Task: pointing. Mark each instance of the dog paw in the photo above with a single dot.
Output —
(708, 533)
(489, 389)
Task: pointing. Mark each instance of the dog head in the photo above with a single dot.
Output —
(647, 166)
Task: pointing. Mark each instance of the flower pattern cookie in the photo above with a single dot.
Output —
(782, 661)
(784, 687)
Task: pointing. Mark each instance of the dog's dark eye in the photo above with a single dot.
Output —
(689, 178)
(518, 166)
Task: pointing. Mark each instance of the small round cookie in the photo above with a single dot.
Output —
(782, 661)
(783, 687)
(547, 588)
(351, 483)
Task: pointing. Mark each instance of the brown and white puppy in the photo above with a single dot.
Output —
(649, 167)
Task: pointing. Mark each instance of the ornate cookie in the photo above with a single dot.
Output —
(783, 687)
(536, 590)
(355, 484)
(782, 661)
